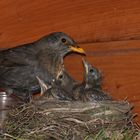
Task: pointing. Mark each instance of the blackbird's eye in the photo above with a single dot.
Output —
(63, 40)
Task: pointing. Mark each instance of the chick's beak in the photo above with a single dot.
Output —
(85, 63)
(77, 49)
(44, 87)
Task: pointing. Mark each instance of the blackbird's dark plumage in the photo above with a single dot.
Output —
(90, 88)
(19, 66)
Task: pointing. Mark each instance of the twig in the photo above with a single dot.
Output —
(106, 112)
(75, 120)
(40, 130)
(10, 136)
(69, 109)
(25, 108)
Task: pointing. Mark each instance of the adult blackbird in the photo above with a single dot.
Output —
(90, 88)
(19, 66)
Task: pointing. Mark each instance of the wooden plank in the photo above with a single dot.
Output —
(120, 64)
(86, 21)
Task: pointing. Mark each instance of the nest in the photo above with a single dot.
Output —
(55, 120)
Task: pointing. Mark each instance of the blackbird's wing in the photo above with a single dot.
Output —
(19, 56)
(16, 77)
(19, 68)
(23, 77)
(16, 65)
(96, 95)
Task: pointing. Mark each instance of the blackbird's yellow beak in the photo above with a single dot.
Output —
(77, 49)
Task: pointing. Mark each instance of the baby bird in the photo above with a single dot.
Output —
(65, 81)
(90, 89)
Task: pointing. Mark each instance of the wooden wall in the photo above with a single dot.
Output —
(108, 30)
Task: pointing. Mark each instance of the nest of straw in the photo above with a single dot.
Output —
(70, 121)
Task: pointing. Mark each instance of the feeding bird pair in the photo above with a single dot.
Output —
(21, 67)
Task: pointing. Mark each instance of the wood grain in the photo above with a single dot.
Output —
(86, 21)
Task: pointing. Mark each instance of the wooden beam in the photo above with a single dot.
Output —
(86, 21)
